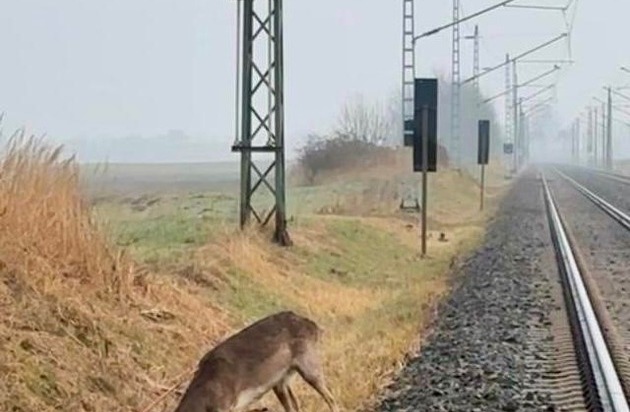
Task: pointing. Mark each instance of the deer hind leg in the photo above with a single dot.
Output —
(294, 400)
(310, 369)
(282, 393)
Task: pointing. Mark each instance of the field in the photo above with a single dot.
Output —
(108, 303)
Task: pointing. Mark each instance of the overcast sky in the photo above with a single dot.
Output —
(100, 70)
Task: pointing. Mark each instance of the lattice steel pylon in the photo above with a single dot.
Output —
(476, 63)
(515, 118)
(595, 136)
(456, 87)
(509, 137)
(574, 141)
(262, 114)
(578, 141)
(409, 199)
(609, 133)
(604, 146)
(476, 66)
(408, 71)
(589, 134)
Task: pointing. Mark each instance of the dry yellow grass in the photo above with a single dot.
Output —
(76, 330)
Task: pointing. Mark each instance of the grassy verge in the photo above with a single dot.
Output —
(355, 266)
(93, 322)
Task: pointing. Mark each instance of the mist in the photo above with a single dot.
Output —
(113, 81)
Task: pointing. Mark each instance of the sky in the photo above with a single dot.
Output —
(95, 74)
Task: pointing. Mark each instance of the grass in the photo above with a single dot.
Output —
(74, 334)
(104, 306)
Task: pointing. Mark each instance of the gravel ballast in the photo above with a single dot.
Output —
(613, 191)
(486, 350)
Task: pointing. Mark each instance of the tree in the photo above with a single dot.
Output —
(360, 121)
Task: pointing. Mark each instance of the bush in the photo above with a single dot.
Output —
(337, 154)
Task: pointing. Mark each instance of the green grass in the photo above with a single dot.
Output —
(158, 238)
(165, 226)
(162, 228)
(247, 299)
(364, 256)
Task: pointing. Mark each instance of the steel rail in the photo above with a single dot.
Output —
(609, 209)
(607, 382)
(614, 176)
(606, 173)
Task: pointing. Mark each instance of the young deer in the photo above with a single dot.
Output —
(263, 356)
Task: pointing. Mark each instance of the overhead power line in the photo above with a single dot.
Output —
(462, 20)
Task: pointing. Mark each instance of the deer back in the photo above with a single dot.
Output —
(250, 362)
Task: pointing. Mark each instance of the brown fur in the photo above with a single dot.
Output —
(263, 356)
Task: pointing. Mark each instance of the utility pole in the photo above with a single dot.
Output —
(574, 132)
(577, 140)
(595, 136)
(476, 59)
(508, 106)
(521, 133)
(604, 143)
(589, 137)
(476, 65)
(515, 114)
(410, 189)
(408, 70)
(456, 87)
(262, 114)
(609, 142)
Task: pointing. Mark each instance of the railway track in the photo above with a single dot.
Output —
(611, 210)
(540, 320)
(618, 177)
(614, 176)
(588, 346)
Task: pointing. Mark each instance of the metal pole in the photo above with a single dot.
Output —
(609, 140)
(578, 140)
(604, 144)
(483, 184)
(573, 130)
(515, 114)
(239, 8)
(589, 137)
(425, 175)
(521, 134)
(595, 136)
(456, 88)
(408, 68)
(281, 235)
(476, 65)
(410, 188)
(262, 113)
(508, 113)
(246, 99)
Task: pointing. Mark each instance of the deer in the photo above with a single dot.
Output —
(261, 357)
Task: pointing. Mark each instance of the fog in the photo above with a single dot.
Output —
(153, 80)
